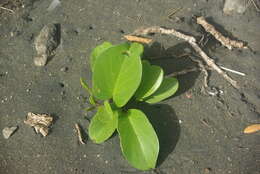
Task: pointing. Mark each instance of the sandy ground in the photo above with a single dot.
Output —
(198, 133)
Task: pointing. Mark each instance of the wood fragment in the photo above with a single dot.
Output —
(252, 128)
(227, 42)
(40, 122)
(157, 29)
(138, 39)
(192, 41)
(79, 134)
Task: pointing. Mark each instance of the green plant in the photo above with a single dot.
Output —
(118, 75)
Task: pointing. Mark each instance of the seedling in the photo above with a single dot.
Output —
(118, 76)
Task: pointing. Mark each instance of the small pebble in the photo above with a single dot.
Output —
(8, 131)
(64, 69)
(229, 159)
(207, 170)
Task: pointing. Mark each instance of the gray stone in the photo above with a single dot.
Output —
(8, 131)
(237, 6)
(46, 43)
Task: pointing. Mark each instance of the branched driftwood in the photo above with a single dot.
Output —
(227, 42)
(192, 41)
(203, 69)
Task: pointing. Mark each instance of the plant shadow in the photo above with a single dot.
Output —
(166, 125)
(173, 59)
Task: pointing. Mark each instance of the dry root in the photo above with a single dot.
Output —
(227, 42)
(192, 41)
(203, 69)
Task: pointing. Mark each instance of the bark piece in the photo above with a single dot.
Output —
(40, 122)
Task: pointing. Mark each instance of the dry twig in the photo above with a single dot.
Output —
(137, 39)
(227, 42)
(79, 133)
(192, 41)
(233, 71)
(7, 9)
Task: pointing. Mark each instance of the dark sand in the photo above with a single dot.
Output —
(191, 147)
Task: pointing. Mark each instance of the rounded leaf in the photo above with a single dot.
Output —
(168, 87)
(130, 75)
(97, 51)
(152, 77)
(117, 73)
(106, 70)
(138, 140)
(103, 124)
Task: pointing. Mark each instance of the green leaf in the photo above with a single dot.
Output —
(168, 87)
(103, 124)
(138, 140)
(106, 71)
(97, 51)
(129, 77)
(85, 85)
(108, 108)
(92, 100)
(152, 77)
(117, 73)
